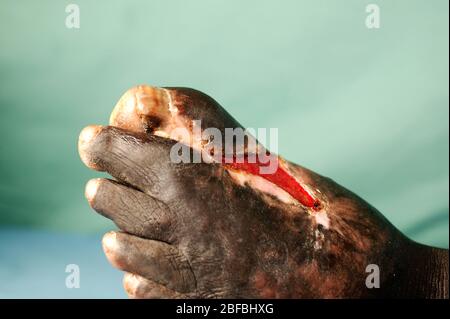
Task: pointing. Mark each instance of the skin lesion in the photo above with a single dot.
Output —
(151, 110)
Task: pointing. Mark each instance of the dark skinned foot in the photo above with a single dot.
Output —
(220, 230)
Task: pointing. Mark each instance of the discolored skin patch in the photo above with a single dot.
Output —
(228, 234)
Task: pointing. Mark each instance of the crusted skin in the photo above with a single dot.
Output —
(224, 239)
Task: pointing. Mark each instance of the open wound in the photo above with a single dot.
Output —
(150, 110)
(281, 178)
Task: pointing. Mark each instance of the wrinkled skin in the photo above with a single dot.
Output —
(193, 231)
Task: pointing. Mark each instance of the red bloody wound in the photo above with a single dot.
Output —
(281, 178)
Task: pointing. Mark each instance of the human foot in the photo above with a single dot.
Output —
(202, 230)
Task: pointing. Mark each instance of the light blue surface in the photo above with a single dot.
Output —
(33, 265)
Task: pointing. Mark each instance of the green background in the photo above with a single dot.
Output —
(367, 107)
